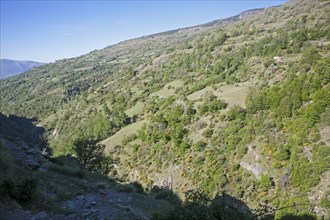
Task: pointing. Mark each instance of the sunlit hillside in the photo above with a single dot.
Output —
(236, 107)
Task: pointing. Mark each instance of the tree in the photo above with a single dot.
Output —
(90, 154)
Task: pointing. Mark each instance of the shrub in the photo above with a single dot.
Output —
(125, 188)
(207, 133)
(198, 205)
(138, 187)
(195, 206)
(236, 112)
(282, 154)
(165, 194)
(266, 182)
(90, 154)
(200, 145)
(22, 190)
(325, 202)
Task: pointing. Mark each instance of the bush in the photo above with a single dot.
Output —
(325, 202)
(198, 205)
(195, 206)
(207, 133)
(282, 154)
(22, 190)
(266, 182)
(90, 154)
(200, 145)
(236, 112)
(138, 187)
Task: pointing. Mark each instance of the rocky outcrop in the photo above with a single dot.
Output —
(251, 163)
(254, 168)
(29, 158)
(103, 204)
(24, 141)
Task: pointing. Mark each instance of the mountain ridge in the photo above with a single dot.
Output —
(10, 68)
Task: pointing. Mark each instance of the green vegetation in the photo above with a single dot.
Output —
(125, 133)
(209, 106)
(135, 110)
(90, 154)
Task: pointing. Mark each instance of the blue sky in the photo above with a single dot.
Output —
(51, 30)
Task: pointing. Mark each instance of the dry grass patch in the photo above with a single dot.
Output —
(117, 138)
(231, 94)
(168, 90)
(135, 110)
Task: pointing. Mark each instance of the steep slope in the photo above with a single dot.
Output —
(62, 80)
(239, 106)
(34, 186)
(10, 68)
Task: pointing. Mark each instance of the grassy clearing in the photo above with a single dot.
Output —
(55, 91)
(176, 84)
(117, 138)
(168, 90)
(199, 94)
(136, 90)
(55, 80)
(163, 93)
(135, 110)
(232, 94)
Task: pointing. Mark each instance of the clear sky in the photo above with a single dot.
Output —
(46, 31)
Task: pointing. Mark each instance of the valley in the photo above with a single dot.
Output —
(231, 113)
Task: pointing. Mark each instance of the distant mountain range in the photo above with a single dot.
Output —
(13, 67)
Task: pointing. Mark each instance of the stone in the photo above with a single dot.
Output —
(40, 215)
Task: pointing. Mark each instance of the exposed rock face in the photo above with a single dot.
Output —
(24, 140)
(270, 71)
(250, 162)
(254, 168)
(56, 134)
(325, 135)
(29, 158)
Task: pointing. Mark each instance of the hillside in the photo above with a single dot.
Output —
(13, 67)
(237, 106)
(34, 186)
